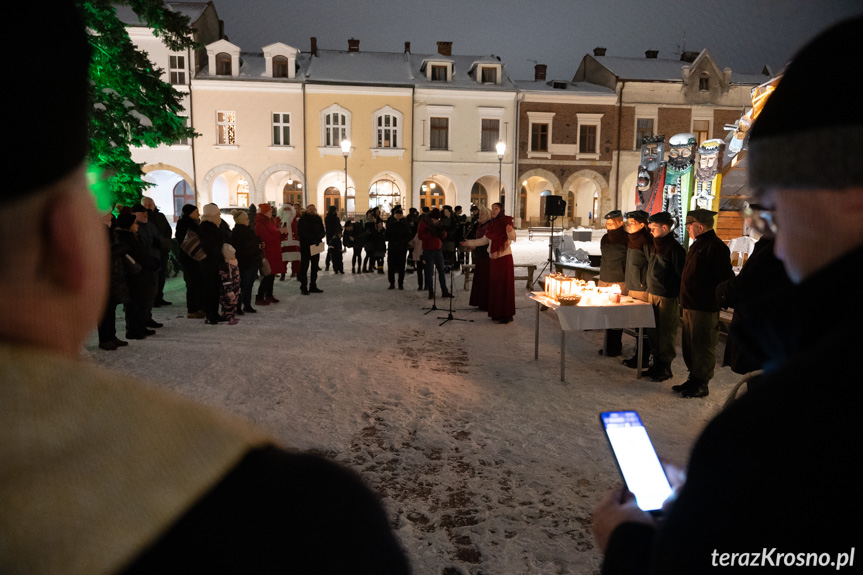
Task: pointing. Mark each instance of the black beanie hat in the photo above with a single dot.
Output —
(809, 134)
(60, 37)
(125, 221)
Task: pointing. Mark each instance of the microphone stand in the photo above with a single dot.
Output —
(450, 316)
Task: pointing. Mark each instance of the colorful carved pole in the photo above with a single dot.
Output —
(651, 173)
(679, 181)
(708, 180)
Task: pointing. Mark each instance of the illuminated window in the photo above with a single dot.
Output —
(336, 128)
(478, 195)
(292, 193)
(387, 126)
(226, 126)
(431, 195)
(384, 194)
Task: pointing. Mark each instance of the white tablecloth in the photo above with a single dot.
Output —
(630, 313)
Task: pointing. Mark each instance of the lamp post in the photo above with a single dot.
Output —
(501, 150)
(346, 150)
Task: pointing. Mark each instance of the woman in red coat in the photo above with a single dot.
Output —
(501, 289)
(266, 228)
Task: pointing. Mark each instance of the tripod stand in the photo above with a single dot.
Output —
(450, 316)
(549, 264)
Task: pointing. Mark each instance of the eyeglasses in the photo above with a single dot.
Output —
(761, 217)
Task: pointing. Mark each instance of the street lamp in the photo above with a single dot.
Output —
(346, 150)
(501, 150)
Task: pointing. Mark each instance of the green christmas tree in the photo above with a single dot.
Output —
(132, 106)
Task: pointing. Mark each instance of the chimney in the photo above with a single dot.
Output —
(651, 53)
(599, 51)
(407, 47)
(444, 48)
(353, 45)
(314, 49)
(539, 72)
(688, 57)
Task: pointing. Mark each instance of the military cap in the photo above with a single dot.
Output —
(638, 216)
(613, 214)
(700, 215)
(661, 218)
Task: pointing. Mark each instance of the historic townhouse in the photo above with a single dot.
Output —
(567, 146)
(171, 168)
(690, 94)
(358, 114)
(464, 106)
(248, 108)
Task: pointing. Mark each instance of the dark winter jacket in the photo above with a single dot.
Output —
(665, 267)
(398, 234)
(311, 230)
(137, 277)
(212, 241)
(119, 291)
(332, 224)
(708, 264)
(159, 220)
(613, 246)
(763, 472)
(248, 246)
(638, 249)
(185, 224)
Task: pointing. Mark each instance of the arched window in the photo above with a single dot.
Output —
(387, 127)
(223, 64)
(478, 195)
(183, 194)
(336, 124)
(431, 195)
(384, 194)
(292, 193)
(280, 67)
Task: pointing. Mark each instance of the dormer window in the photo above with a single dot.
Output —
(488, 75)
(280, 67)
(223, 64)
(704, 83)
(439, 73)
(558, 85)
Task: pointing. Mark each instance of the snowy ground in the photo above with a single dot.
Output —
(486, 462)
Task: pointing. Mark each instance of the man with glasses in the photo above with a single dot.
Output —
(772, 480)
(708, 264)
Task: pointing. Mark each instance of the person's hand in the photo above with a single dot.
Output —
(676, 477)
(617, 506)
(509, 228)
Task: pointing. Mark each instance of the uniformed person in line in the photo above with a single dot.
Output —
(664, 270)
(708, 264)
(639, 244)
(612, 271)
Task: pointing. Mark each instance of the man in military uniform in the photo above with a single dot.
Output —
(708, 264)
(612, 271)
(663, 288)
(638, 245)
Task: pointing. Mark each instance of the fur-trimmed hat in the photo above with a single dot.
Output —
(807, 136)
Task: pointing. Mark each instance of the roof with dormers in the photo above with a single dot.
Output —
(564, 87)
(660, 69)
(464, 72)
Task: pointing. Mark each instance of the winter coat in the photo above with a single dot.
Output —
(613, 246)
(708, 264)
(159, 220)
(212, 241)
(638, 249)
(151, 239)
(332, 224)
(119, 291)
(430, 235)
(266, 230)
(137, 277)
(185, 224)
(311, 230)
(398, 235)
(248, 246)
(665, 267)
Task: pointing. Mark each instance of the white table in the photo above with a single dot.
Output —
(630, 313)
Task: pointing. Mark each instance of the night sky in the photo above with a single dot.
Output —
(744, 35)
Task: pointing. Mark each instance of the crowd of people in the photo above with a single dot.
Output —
(642, 256)
(220, 263)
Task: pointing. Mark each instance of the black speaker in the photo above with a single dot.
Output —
(555, 206)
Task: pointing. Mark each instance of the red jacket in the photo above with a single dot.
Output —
(267, 229)
(431, 237)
